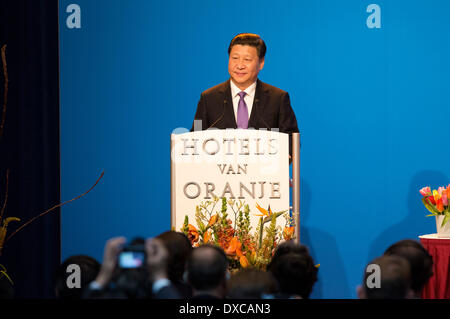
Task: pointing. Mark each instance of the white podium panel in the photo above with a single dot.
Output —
(247, 165)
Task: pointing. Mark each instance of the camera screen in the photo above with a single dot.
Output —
(131, 259)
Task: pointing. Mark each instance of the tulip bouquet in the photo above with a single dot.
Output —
(243, 247)
(436, 202)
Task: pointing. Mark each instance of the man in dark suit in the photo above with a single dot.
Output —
(243, 101)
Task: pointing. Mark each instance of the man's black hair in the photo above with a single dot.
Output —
(394, 281)
(251, 283)
(419, 259)
(179, 248)
(207, 271)
(250, 39)
(295, 273)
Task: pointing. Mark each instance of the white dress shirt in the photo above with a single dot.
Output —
(248, 98)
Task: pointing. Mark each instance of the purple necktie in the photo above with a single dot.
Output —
(242, 112)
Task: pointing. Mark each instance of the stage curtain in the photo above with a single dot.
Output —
(29, 147)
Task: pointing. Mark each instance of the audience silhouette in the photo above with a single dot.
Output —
(173, 269)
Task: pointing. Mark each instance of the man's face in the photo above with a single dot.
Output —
(244, 65)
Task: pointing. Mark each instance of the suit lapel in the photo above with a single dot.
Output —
(229, 118)
(259, 103)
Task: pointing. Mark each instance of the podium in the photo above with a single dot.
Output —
(249, 167)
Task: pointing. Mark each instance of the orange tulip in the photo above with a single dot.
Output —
(436, 195)
(440, 205)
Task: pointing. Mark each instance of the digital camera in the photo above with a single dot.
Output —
(132, 256)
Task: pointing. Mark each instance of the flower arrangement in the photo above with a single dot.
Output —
(436, 202)
(243, 247)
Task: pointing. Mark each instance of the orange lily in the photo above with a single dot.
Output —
(206, 237)
(234, 247)
(239, 251)
(213, 220)
(231, 249)
(253, 256)
(243, 261)
(192, 234)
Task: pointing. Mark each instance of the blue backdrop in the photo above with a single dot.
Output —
(372, 106)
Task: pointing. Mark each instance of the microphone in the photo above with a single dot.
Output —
(260, 117)
(221, 116)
